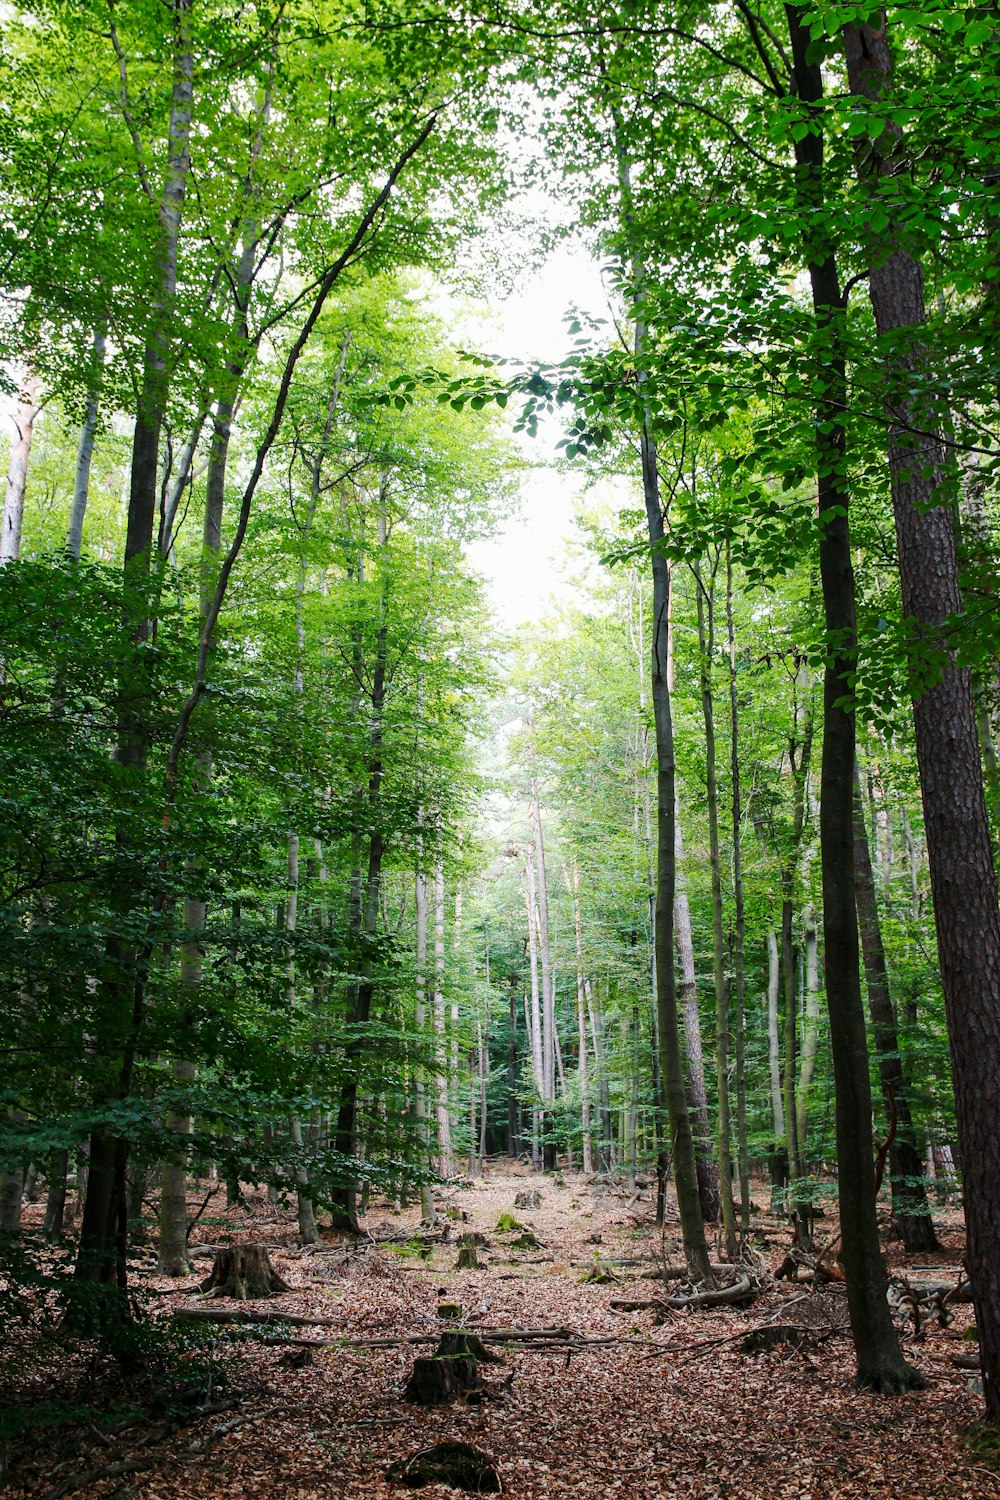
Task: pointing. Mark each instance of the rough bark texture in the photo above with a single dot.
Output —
(245, 1273)
(959, 848)
(880, 1364)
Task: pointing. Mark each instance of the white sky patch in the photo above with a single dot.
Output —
(525, 564)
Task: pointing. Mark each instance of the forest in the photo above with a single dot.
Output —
(447, 1050)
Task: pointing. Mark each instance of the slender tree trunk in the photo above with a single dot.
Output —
(438, 1012)
(739, 943)
(548, 993)
(880, 1364)
(583, 1078)
(810, 1027)
(17, 471)
(55, 1202)
(85, 451)
(708, 1176)
(420, 1029)
(706, 645)
(910, 1209)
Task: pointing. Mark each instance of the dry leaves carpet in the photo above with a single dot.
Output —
(648, 1416)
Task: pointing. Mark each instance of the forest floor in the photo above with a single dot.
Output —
(669, 1409)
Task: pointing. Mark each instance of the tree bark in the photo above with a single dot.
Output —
(706, 644)
(17, 471)
(85, 451)
(880, 1364)
(959, 846)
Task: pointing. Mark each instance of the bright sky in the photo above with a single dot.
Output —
(522, 563)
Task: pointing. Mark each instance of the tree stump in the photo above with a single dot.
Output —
(244, 1272)
(468, 1260)
(532, 1198)
(452, 1370)
(457, 1465)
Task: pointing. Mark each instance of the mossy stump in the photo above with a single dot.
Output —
(244, 1272)
(451, 1371)
(457, 1465)
(468, 1260)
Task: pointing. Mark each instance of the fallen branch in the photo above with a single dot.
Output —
(742, 1290)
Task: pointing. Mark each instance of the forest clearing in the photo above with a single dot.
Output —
(499, 748)
(633, 1401)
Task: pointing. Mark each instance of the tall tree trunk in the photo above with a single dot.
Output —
(101, 1256)
(85, 451)
(438, 1013)
(959, 846)
(420, 1030)
(910, 1209)
(582, 1072)
(17, 471)
(810, 1026)
(706, 646)
(739, 936)
(668, 1017)
(880, 1364)
(55, 1202)
(708, 1175)
(548, 993)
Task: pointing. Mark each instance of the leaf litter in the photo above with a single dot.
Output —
(667, 1407)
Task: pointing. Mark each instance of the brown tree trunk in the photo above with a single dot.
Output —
(880, 1364)
(959, 847)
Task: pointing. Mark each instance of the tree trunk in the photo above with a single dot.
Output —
(910, 1209)
(427, 1212)
(739, 936)
(706, 645)
(55, 1202)
(245, 1273)
(85, 452)
(11, 1192)
(880, 1363)
(959, 847)
(708, 1176)
(17, 471)
(438, 1013)
(101, 1257)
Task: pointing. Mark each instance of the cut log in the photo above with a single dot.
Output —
(455, 1465)
(245, 1273)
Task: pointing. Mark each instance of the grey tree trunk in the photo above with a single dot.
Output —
(706, 646)
(17, 471)
(85, 451)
